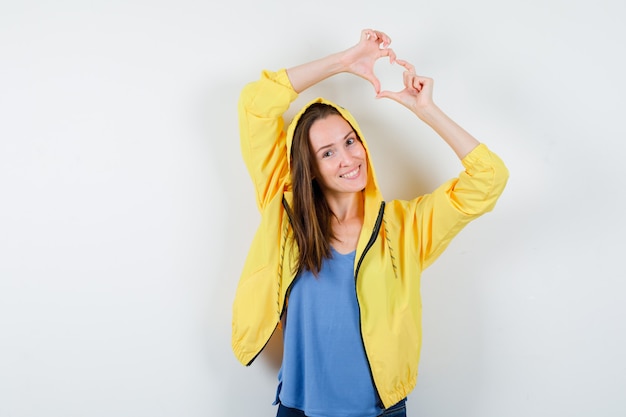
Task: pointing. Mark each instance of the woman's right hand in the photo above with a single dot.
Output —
(360, 59)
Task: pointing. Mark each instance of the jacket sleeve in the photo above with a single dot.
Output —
(432, 220)
(261, 107)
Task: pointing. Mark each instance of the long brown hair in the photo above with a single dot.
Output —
(311, 220)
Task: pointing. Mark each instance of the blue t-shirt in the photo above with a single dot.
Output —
(325, 372)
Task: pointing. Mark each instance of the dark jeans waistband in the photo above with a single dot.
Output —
(396, 410)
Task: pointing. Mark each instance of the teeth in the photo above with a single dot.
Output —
(351, 174)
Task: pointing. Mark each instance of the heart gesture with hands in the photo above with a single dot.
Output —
(360, 59)
(417, 94)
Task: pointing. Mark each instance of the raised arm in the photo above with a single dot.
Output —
(437, 217)
(358, 60)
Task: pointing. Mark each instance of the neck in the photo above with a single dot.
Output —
(346, 207)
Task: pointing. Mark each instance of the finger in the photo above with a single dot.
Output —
(412, 82)
(370, 35)
(374, 81)
(418, 84)
(406, 64)
(366, 34)
(376, 85)
(388, 52)
(386, 40)
(385, 94)
(393, 95)
(407, 79)
(423, 82)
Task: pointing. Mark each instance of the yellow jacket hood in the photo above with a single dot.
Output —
(372, 190)
(372, 195)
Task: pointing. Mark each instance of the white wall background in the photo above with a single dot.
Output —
(126, 210)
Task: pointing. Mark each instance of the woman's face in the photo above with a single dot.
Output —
(340, 158)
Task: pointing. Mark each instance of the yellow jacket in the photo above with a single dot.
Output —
(398, 240)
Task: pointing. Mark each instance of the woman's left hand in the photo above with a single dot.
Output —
(417, 94)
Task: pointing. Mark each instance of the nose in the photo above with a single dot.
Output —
(346, 157)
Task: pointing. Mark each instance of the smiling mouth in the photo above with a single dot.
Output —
(351, 174)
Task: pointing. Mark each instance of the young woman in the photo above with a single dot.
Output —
(333, 263)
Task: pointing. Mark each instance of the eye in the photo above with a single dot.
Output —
(327, 154)
(350, 141)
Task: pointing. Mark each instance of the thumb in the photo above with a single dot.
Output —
(375, 82)
(387, 94)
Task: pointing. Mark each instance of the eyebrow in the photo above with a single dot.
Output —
(332, 144)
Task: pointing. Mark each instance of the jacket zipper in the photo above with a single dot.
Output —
(370, 243)
(373, 237)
